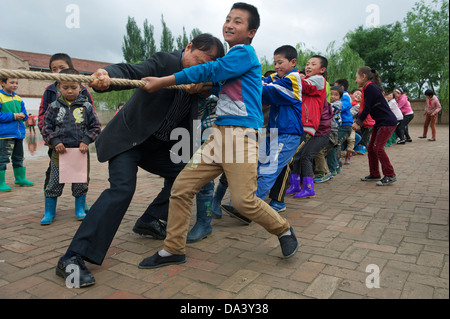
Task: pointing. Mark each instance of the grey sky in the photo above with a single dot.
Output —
(41, 26)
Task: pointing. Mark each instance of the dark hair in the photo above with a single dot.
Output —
(4, 79)
(69, 71)
(323, 60)
(429, 93)
(61, 56)
(269, 73)
(288, 51)
(371, 74)
(206, 42)
(302, 71)
(254, 20)
(339, 89)
(343, 82)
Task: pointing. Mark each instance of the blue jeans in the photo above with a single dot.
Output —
(11, 149)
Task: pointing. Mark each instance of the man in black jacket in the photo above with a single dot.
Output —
(138, 136)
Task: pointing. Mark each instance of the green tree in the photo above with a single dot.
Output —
(149, 40)
(376, 47)
(182, 40)
(133, 44)
(167, 39)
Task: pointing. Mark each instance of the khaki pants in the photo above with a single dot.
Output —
(222, 153)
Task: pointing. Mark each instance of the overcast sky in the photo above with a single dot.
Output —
(96, 33)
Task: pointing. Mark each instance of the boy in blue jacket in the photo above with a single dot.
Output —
(12, 133)
(239, 117)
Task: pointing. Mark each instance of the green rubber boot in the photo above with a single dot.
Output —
(3, 186)
(19, 174)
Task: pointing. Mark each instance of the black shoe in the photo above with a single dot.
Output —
(289, 244)
(156, 261)
(387, 180)
(370, 178)
(401, 142)
(409, 140)
(72, 266)
(156, 229)
(230, 210)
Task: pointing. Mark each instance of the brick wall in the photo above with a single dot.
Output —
(419, 107)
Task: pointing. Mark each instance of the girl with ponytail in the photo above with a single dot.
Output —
(374, 104)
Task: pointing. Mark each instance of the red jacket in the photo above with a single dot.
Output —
(314, 93)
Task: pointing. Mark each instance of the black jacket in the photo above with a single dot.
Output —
(144, 113)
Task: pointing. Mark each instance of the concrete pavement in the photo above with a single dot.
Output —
(351, 232)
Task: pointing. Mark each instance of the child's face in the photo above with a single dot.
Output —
(390, 96)
(236, 29)
(361, 79)
(314, 67)
(357, 96)
(10, 86)
(58, 65)
(282, 65)
(70, 90)
(334, 96)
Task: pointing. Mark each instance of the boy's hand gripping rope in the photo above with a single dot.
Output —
(22, 74)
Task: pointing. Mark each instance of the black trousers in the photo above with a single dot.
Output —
(95, 234)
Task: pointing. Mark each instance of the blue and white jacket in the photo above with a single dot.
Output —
(284, 95)
(240, 88)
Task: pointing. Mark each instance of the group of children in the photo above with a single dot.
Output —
(311, 119)
(67, 119)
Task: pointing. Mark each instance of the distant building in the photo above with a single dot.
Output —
(31, 90)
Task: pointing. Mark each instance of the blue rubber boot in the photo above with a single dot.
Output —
(202, 227)
(217, 200)
(50, 211)
(80, 203)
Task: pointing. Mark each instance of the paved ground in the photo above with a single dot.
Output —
(347, 233)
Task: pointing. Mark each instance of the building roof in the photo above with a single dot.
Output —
(40, 61)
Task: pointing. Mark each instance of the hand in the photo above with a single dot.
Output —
(102, 82)
(19, 116)
(60, 148)
(155, 84)
(83, 148)
(356, 127)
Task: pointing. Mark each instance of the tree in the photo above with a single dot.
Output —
(423, 54)
(182, 40)
(376, 46)
(167, 40)
(149, 40)
(133, 44)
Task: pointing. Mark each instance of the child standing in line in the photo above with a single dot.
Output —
(324, 165)
(239, 115)
(432, 109)
(376, 105)
(70, 122)
(408, 114)
(12, 133)
(393, 105)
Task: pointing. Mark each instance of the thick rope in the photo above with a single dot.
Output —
(33, 75)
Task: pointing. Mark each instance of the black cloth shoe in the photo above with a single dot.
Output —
(71, 267)
(156, 261)
(230, 210)
(370, 178)
(289, 244)
(156, 229)
(387, 180)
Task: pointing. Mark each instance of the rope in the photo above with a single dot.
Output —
(21, 74)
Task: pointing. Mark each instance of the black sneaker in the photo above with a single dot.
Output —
(156, 261)
(370, 178)
(75, 268)
(230, 210)
(387, 180)
(289, 244)
(156, 229)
